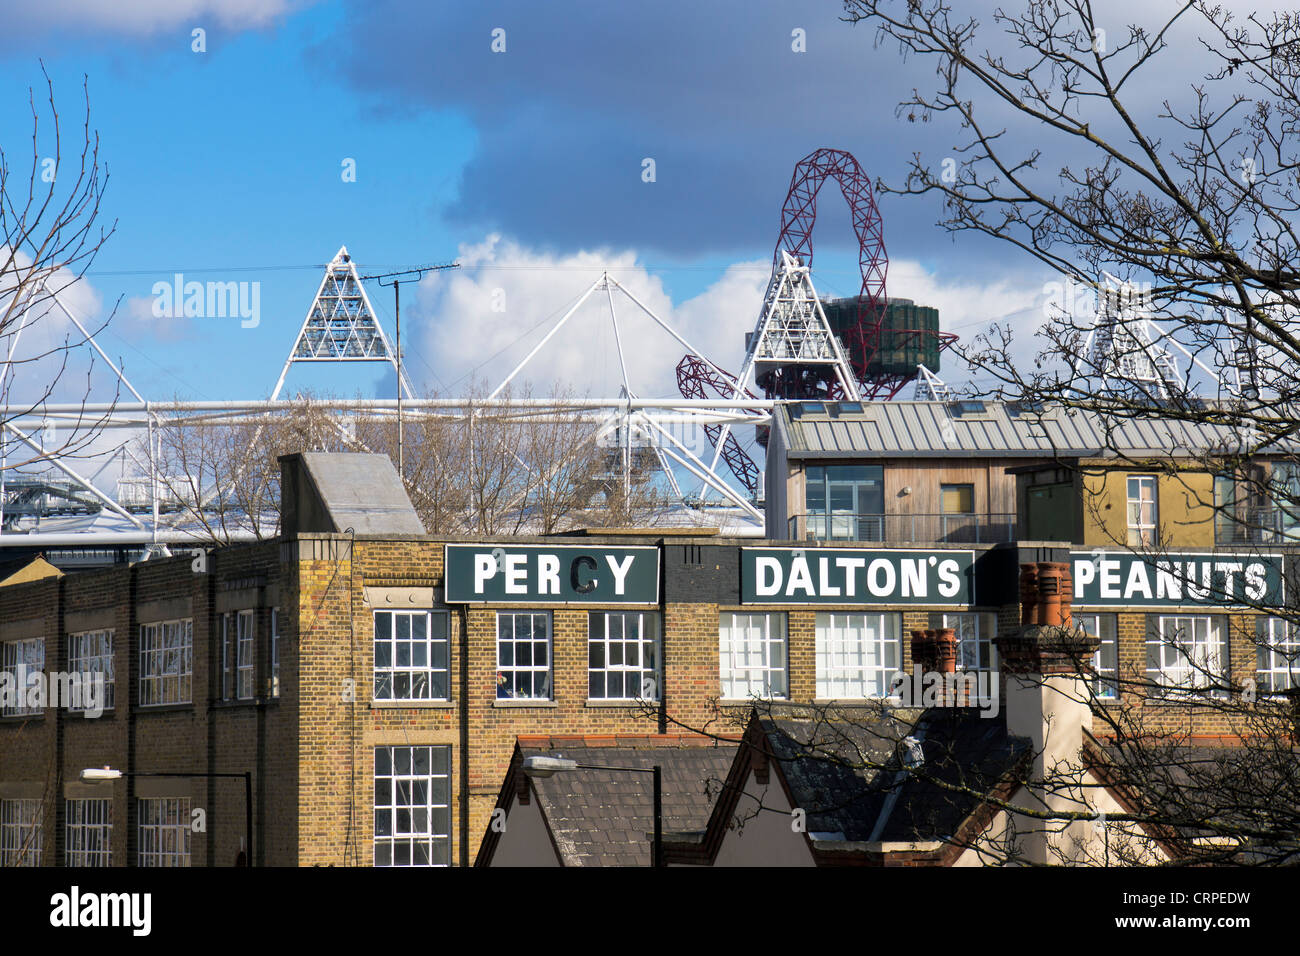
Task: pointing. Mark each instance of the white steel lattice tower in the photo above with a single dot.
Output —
(930, 387)
(793, 331)
(1124, 352)
(341, 325)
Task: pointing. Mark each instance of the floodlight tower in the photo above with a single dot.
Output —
(341, 326)
(1123, 350)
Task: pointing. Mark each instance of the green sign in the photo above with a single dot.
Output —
(1122, 578)
(551, 574)
(857, 576)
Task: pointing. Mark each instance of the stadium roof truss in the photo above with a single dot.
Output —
(341, 326)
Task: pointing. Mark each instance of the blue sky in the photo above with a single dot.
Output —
(226, 165)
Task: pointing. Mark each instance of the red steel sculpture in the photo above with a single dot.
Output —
(862, 341)
(693, 374)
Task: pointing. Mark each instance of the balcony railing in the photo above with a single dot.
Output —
(1257, 526)
(905, 528)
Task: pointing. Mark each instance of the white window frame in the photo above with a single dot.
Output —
(512, 675)
(858, 655)
(975, 631)
(412, 806)
(21, 832)
(1104, 627)
(753, 655)
(410, 659)
(1142, 533)
(88, 831)
(245, 654)
(274, 653)
(638, 655)
(227, 639)
(164, 831)
(91, 653)
(1180, 672)
(1277, 656)
(167, 662)
(17, 659)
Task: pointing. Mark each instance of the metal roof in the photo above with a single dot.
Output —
(990, 429)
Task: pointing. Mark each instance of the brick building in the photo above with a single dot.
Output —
(372, 680)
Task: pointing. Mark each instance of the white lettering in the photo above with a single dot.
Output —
(825, 588)
(548, 574)
(1255, 577)
(949, 581)
(931, 684)
(1109, 578)
(800, 577)
(913, 577)
(75, 909)
(620, 571)
(1229, 569)
(1137, 581)
(1168, 584)
(516, 574)
(851, 567)
(875, 570)
(1084, 574)
(767, 576)
(485, 566)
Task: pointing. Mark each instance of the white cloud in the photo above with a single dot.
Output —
(482, 320)
(1016, 301)
(46, 349)
(141, 17)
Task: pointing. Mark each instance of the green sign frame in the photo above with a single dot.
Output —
(550, 574)
(884, 577)
(1176, 579)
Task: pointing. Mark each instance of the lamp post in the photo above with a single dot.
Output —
(549, 766)
(107, 774)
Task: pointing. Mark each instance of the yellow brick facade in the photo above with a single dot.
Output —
(311, 750)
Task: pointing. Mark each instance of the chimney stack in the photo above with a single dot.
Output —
(934, 651)
(1046, 663)
(924, 654)
(1047, 642)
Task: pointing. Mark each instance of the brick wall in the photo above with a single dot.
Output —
(311, 752)
(201, 736)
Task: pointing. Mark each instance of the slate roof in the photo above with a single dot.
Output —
(1211, 790)
(861, 792)
(603, 818)
(862, 788)
(1000, 429)
(963, 750)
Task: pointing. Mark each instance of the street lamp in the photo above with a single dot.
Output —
(107, 774)
(543, 767)
(98, 775)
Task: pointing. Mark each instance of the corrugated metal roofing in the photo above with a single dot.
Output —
(942, 429)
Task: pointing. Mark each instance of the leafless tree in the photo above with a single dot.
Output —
(483, 468)
(221, 480)
(530, 468)
(1155, 167)
(50, 233)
